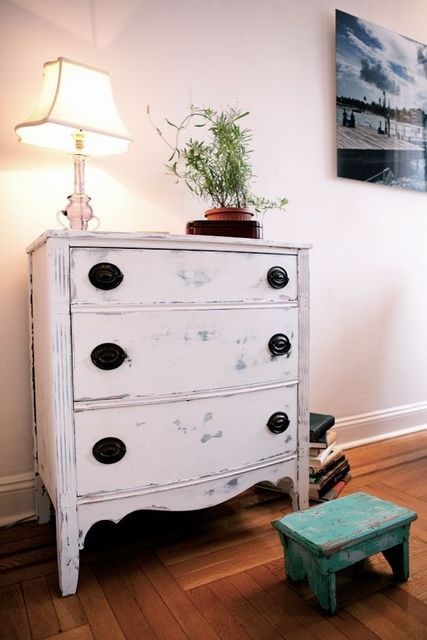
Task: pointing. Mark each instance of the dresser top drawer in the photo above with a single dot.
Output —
(156, 276)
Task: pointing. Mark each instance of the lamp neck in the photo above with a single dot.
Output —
(79, 173)
(79, 211)
(79, 161)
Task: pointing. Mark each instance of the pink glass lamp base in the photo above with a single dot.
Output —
(78, 210)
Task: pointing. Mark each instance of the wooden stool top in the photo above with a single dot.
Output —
(333, 526)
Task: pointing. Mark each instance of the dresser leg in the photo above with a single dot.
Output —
(67, 550)
(299, 499)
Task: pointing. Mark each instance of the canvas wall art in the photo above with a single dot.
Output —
(381, 105)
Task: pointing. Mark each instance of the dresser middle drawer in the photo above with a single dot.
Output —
(150, 352)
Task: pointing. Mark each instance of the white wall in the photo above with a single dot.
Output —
(275, 58)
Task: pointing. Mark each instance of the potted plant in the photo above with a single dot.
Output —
(217, 167)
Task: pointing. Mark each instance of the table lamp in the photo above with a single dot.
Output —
(76, 113)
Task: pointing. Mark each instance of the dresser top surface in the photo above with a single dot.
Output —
(139, 239)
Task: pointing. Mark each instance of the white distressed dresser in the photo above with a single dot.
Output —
(170, 372)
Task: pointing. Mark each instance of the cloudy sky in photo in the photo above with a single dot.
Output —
(371, 59)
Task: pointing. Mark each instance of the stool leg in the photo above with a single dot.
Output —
(300, 563)
(294, 563)
(324, 588)
(398, 559)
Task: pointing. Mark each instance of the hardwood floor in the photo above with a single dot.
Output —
(217, 573)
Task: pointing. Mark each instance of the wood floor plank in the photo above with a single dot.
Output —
(392, 461)
(27, 572)
(268, 539)
(14, 624)
(273, 608)
(69, 610)
(41, 612)
(27, 543)
(125, 608)
(416, 585)
(214, 541)
(181, 606)
(34, 556)
(392, 452)
(369, 615)
(395, 613)
(307, 615)
(151, 604)
(26, 530)
(98, 612)
(216, 613)
(409, 604)
(391, 476)
(78, 633)
(408, 479)
(206, 569)
(351, 628)
(256, 625)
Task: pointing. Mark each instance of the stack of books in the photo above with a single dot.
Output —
(328, 466)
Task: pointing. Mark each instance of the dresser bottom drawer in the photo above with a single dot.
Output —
(158, 444)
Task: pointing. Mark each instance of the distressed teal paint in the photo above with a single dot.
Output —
(322, 540)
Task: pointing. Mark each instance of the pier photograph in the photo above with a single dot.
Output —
(381, 105)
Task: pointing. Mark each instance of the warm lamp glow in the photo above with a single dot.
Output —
(76, 113)
(74, 97)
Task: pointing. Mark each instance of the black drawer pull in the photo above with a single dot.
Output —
(108, 356)
(279, 344)
(109, 450)
(278, 422)
(277, 277)
(105, 275)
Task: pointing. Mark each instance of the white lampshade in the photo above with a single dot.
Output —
(75, 97)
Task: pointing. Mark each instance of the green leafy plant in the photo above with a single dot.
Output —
(216, 168)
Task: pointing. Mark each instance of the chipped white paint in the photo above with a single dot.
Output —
(55, 452)
(205, 492)
(184, 440)
(192, 399)
(164, 348)
(176, 276)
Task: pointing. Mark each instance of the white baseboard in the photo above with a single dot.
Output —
(364, 428)
(17, 498)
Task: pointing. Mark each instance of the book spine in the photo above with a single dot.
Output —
(315, 477)
(336, 490)
(336, 477)
(319, 425)
(328, 455)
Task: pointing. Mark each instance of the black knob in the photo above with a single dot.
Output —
(105, 275)
(277, 277)
(278, 422)
(279, 344)
(108, 356)
(109, 450)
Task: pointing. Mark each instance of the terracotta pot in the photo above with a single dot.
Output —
(228, 213)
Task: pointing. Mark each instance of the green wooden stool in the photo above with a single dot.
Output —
(322, 540)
